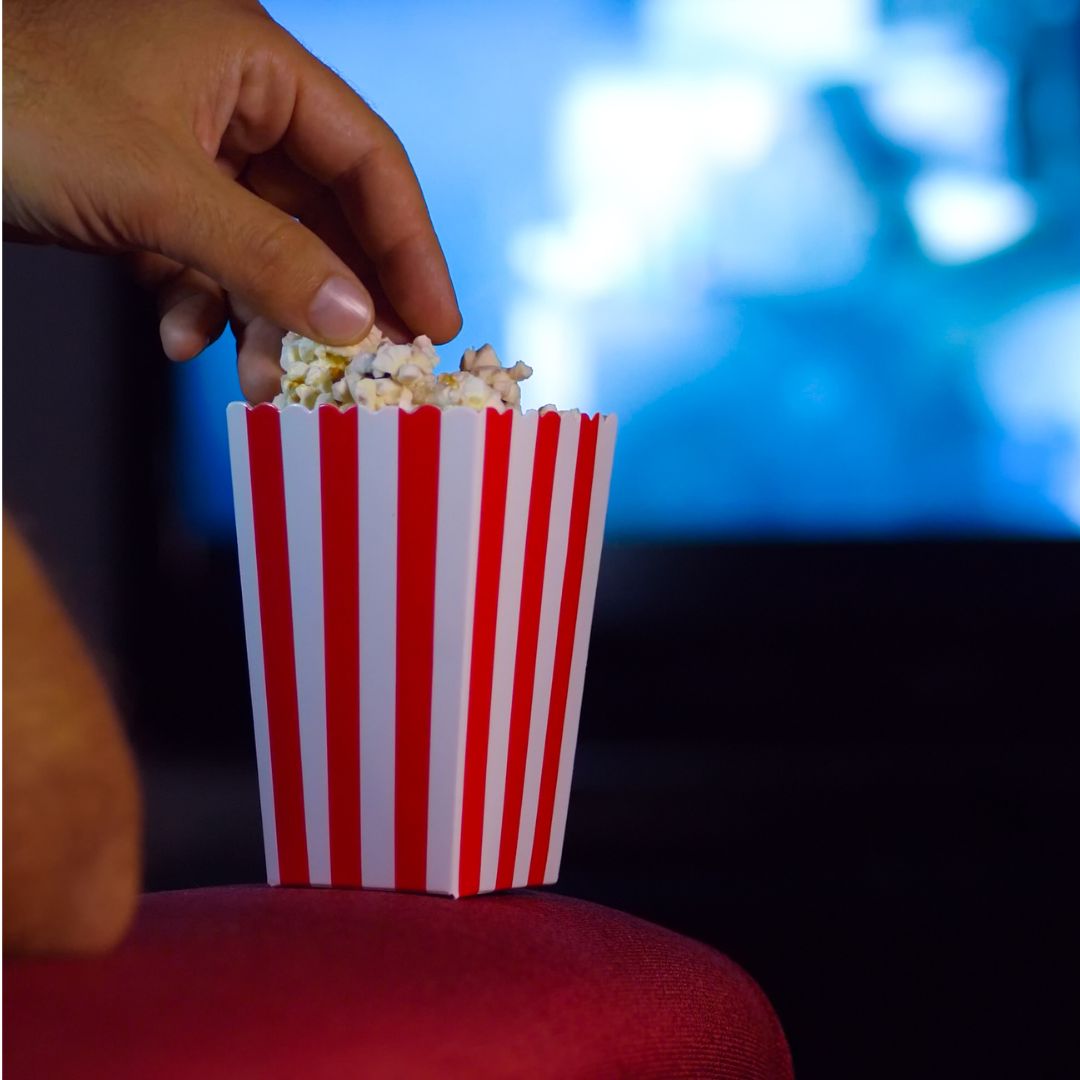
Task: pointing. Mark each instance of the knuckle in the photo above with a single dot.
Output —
(275, 251)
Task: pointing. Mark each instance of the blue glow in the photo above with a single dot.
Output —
(204, 388)
(821, 260)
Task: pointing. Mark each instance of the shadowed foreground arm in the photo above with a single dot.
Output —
(71, 799)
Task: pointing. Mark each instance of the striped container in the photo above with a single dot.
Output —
(418, 591)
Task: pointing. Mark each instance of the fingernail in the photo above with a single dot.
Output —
(341, 312)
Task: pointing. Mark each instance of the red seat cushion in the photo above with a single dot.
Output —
(253, 981)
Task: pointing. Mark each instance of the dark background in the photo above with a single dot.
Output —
(851, 766)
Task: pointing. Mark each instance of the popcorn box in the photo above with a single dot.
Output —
(418, 593)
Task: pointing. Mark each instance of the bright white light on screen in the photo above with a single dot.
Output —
(805, 35)
(938, 98)
(588, 256)
(641, 143)
(548, 334)
(962, 217)
(647, 126)
(637, 159)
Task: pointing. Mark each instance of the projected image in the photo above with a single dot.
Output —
(822, 259)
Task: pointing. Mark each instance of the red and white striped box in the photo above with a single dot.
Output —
(418, 593)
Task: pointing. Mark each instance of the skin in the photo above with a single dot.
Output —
(241, 173)
(248, 184)
(71, 802)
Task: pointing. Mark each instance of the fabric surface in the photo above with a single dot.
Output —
(260, 982)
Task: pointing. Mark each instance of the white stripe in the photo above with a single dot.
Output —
(554, 570)
(461, 454)
(249, 584)
(303, 518)
(518, 491)
(377, 447)
(605, 450)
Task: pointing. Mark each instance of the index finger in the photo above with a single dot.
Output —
(336, 138)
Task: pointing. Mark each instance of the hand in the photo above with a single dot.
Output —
(251, 182)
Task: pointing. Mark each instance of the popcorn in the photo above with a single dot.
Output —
(376, 372)
(409, 373)
(389, 361)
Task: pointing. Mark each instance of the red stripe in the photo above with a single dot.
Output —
(532, 591)
(488, 563)
(564, 643)
(341, 622)
(275, 613)
(418, 505)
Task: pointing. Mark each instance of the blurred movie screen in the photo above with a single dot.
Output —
(823, 259)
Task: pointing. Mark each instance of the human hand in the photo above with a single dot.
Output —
(249, 181)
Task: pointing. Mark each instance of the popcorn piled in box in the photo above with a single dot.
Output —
(418, 586)
(377, 372)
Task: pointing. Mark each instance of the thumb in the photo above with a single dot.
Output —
(259, 254)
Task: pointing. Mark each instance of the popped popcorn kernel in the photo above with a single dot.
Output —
(376, 373)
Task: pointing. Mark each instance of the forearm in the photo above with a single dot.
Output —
(71, 802)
